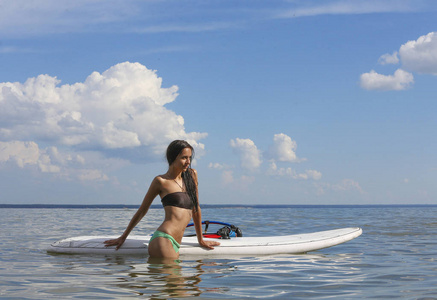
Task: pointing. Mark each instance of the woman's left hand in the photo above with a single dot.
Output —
(208, 244)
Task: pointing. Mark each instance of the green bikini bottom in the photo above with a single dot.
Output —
(175, 244)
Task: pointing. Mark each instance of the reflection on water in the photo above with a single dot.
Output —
(158, 278)
(163, 279)
(394, 258)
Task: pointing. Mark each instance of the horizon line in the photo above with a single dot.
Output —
(155, 206)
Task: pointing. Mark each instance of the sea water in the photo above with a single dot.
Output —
(395, 257)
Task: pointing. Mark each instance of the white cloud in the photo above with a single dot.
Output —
(416, 56)
(241, 183)
(22, 153)
(50, 160)
(217, 166)
(347, 184)
(308, 174)
(389, 59)
(28, 154)
(229, 180)
(420, 55)
(248, 153)
(313, 174)
(22, 17)
(401, 80)
(120, 112)
(283, 149)
(339, 7)
(92, 175)
(227, 177)
(342, 186)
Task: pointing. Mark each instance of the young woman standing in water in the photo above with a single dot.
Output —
(179, 196)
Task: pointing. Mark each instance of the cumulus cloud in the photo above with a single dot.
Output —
(217, 166)
(228, 179)
(313, 174)
(248, 153)
(21, 153)
(415, 56)
(387, 59)
(342, 186)
(84, 130)
(274, 170)
(27, 155)
(420, 55)
(120, 112)
(283, 149)
(401, 80)
(92, 175)
(241, 183)
(347, 184)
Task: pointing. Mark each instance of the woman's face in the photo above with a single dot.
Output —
(183, 160)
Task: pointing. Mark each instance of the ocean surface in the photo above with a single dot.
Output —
(394, 258)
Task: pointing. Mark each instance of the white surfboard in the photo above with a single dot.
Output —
(137, 245)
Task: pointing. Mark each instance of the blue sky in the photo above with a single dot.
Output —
(285, 102)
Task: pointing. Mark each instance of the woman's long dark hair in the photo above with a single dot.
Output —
(173, 150)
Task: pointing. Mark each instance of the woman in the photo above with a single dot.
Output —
(178, 191)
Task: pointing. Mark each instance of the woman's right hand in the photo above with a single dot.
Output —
(116, 242)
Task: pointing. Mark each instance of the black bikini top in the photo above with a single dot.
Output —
(178, 199)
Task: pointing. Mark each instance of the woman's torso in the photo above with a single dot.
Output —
(177, 212)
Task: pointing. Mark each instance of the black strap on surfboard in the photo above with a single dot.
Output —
(225, 232)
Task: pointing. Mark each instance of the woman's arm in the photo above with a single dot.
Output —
(197, 220)
(151, 194)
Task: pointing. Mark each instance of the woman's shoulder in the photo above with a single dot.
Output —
(160, 179)
(159, 183)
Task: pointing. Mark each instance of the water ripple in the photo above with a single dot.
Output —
(394, 258)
